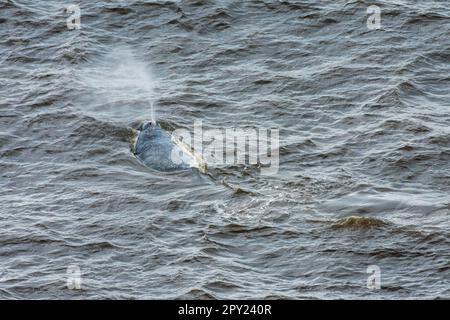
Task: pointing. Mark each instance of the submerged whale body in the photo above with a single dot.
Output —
(157, 149)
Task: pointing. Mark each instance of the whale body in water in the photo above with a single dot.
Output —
(159, 150)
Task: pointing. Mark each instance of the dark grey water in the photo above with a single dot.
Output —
(364, 176)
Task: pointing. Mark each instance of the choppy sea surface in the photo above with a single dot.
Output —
(364, 174)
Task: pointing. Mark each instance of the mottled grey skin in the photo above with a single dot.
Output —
(154, 148)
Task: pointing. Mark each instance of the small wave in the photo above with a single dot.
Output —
(359, 222)
(197, 294)
(426, 17)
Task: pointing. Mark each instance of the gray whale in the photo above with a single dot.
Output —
(159, 150)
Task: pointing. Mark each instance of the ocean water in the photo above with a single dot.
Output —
(364, 177)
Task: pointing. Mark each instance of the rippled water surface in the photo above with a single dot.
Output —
(364, 176)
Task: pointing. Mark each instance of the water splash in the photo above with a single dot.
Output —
(152, 112)
(118, 86)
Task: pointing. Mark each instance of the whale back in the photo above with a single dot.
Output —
(157, 149)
